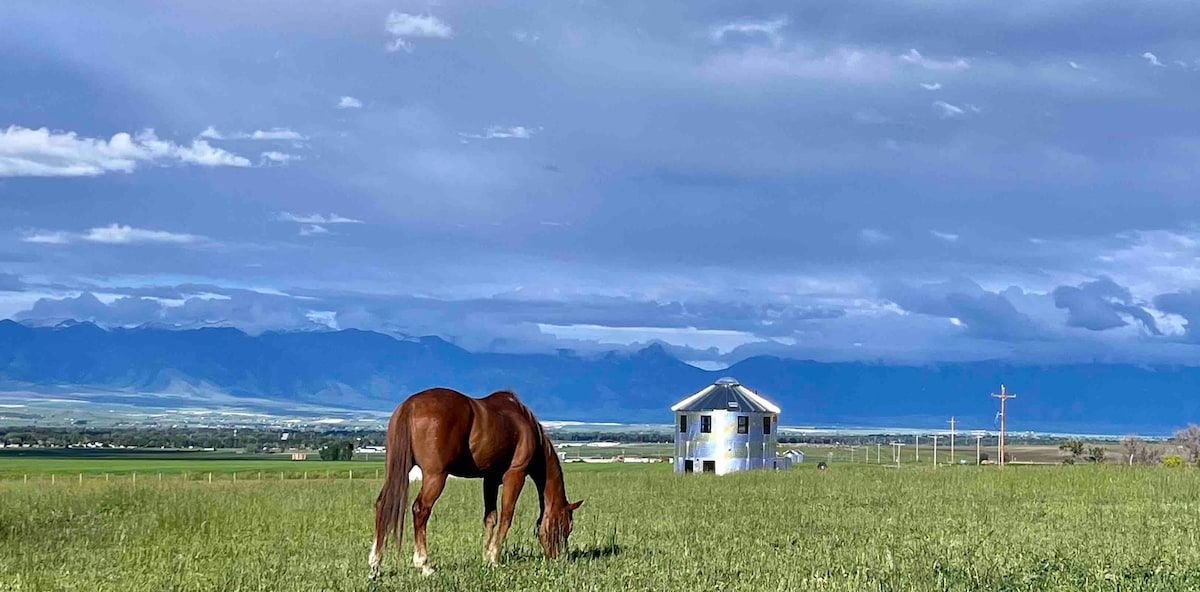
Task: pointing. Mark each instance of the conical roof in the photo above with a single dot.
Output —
(727, 394)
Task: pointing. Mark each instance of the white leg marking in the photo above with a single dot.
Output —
(375, 560)
(421, 562)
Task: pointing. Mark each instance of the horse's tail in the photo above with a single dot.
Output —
(393, 499)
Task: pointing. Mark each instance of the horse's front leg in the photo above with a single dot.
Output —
(431, 487)
(491, 486)
(514, 480)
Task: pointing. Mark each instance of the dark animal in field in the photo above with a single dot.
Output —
(497, 439)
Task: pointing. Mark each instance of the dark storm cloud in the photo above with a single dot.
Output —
(1101, 305)
(983, 314)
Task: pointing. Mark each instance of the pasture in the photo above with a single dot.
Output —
(849, 528)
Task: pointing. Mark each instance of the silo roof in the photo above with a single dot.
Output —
(726, 395)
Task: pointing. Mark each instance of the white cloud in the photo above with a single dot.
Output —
(873, 236)
(948, 110)
(1153, 59)
(840, 64)
(316, 218)
(1075, 65)
(768, 28)
(47, 238)
(312, 229)
(914, 57)
(279, 157)
(114, 234)
(946, 236)
(931, 85)
(496, 132)
(404, 26)
(349, 103)
(40, 152)
(275, 133)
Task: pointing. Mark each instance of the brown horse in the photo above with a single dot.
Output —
(495, 438)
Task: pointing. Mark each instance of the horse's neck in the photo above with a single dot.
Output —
(550, 485)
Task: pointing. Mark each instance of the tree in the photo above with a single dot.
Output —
(1074, 447)
(1136, 451)
(337, 450)
(1095, 454)
(1189, 439)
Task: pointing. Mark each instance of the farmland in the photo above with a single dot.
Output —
(853, 527)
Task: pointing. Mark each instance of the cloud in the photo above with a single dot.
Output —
(45, 153)
(1074, 65)
(313, 229)
(117, 234)
(349, 103)
(914, 57)
(404, 26)
(1153, 60)
(1100, 305)
(931, 86)
(947, 110)
(769, 28)
(1185, 303)
(978, 312)
(872, 236)
(279, 157)
(518, 132)
(275, 133)
(946, 236)
(316, 218)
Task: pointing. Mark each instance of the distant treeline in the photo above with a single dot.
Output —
(272, 440)
(250, 439)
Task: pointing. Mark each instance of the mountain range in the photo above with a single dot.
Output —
(362, 370)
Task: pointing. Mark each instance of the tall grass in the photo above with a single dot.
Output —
(642, 528)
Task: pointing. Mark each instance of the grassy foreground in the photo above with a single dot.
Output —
(849, 528)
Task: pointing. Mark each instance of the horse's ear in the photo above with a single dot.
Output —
(575, 506)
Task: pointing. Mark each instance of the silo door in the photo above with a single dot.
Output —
(689, 466)
(710, 466)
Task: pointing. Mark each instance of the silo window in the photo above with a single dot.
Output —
(743, 424)
(683, 424)
(767, 425)
(705, 424)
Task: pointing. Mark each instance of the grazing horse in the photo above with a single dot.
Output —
(495, 438)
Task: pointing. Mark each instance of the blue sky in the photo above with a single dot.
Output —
(908, 182)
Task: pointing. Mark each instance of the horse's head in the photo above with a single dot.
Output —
(555, 527)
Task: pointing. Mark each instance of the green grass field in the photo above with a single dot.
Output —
(643, 528)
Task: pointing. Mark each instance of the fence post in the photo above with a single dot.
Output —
(106, 477)
(260, 475)
(52, 478)
(210, 477)
(306, 475)
(235, 476)
(81, 478)
(160, 477)
(135, 477)
(24, 479)
(351, 474)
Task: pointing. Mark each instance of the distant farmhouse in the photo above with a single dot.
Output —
(725, 428)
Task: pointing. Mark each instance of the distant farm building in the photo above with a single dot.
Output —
(795, 456)
(725, 428)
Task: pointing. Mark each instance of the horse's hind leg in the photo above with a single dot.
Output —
(431, 487)
(491, 486)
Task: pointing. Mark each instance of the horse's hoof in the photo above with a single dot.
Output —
(426, 571)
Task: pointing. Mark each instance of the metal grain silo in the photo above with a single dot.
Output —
(725, 428)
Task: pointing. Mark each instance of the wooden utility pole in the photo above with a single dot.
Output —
(935, 438)
(952, 459)
(917, 446)
(978, 449)
(897, 445)
(1003, 395)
